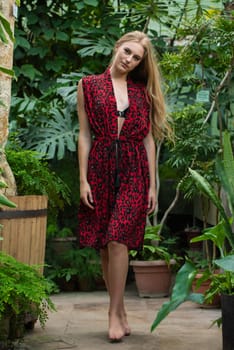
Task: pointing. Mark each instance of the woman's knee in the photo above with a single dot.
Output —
(116, 247)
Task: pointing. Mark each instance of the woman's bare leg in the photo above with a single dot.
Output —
(116, 277)
(122, 311)
(105, 267)
(123, 315)
(104, 262)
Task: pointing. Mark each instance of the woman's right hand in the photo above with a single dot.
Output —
(86, 195)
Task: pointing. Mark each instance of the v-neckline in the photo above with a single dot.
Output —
(118, 118)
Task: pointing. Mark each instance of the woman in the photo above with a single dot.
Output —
(121, 112)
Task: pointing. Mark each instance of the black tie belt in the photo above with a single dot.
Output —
(114, 148)
(117, 148)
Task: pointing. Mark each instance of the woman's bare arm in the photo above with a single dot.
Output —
(84, 145)
(151, 155)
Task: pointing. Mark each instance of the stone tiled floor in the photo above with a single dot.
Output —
(81, 323)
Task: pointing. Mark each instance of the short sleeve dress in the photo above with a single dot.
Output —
(118, 170)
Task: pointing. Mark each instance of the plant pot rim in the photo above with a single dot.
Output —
(151, 262)
(64, 239)
(200, 273)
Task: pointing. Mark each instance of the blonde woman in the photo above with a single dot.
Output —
(121, 112)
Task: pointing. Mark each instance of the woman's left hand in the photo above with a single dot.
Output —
(151, 201)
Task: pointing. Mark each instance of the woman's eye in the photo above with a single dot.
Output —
(126, 50)
(137, 58)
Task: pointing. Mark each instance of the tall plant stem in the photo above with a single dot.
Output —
(171, 206)
(217, 92)
(158, 149)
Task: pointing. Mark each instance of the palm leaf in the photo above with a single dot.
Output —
(56, 136)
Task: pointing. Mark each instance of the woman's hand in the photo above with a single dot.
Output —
(86, 195)
(151, 201)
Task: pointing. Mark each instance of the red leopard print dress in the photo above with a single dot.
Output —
(118, 170)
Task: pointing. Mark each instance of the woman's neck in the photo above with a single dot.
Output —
(116, 75)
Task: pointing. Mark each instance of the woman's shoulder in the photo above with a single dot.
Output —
(92, 78)
(136, 85)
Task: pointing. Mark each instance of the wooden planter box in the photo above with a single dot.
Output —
(24, 229)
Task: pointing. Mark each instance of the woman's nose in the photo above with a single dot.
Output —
(129, 58)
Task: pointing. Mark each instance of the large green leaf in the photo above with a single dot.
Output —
(56, 135)
(226, 263)
(7, 71)
(206, 188)
(181, 292)
(5, 30)
(215, 233)
(225, 170)
(5, 201)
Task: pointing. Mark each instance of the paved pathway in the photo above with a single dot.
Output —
(80, 323)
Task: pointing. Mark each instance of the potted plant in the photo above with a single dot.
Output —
(23, 290)
(222, 236)
(205, 268)
(153, 265)
(37, 185)
(74, 269)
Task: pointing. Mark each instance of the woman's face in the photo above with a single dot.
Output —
(127, 57)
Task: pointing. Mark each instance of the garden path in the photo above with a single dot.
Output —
(80, 323)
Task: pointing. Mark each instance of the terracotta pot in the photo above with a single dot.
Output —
(202, 289)
(153, 278)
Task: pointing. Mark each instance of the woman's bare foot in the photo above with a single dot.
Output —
(116, 330)
(125, 324)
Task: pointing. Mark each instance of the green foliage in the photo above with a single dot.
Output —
(193, 141)
(83, 264)
(222, 282)
(194, 145)
(34, 176)
(152, 249)
(55, 135)
(54, 231)
(225, 171)
(181, 292)
(6, 34)
(51, 125)
(203, 55)
(197, 258)
(43, 58)
(5, 201)
(23, 289)
(5, 30)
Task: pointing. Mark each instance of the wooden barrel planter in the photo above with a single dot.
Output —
(24, 229)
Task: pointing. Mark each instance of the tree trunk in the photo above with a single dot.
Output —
(6, 61)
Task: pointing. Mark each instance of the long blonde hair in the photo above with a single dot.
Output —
(148, 72)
